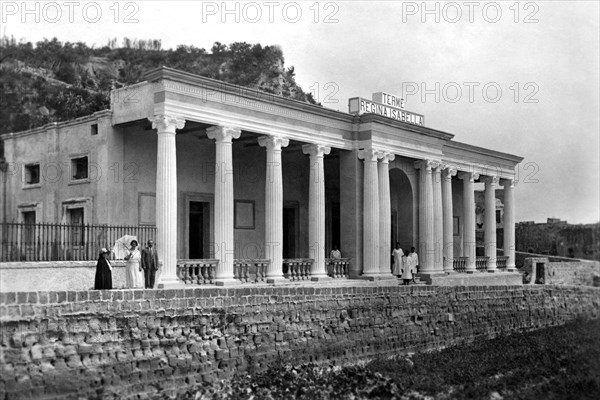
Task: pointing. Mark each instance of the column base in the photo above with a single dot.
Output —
(376, 277)
(428, 275)
(275, 280)
(171, 284)
(321, 278)
(366, 277)
(227, 282)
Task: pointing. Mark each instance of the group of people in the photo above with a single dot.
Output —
(406, 264)
(140, 267)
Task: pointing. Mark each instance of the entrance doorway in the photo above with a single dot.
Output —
(199, 230)
(540, 273)
(290, 229)
(332, 226)
(402, 212)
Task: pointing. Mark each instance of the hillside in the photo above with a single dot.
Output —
(54, 81)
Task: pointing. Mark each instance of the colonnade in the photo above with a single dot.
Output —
(435, 208)
(436, 234)
(166, 202)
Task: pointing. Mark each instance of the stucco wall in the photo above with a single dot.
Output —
(53, 149)
(573, 273)
(577, 273)
(55, 275)
(138, 342)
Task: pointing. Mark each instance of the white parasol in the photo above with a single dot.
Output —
(122, 246)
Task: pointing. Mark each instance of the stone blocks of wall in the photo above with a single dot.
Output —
(124, 343)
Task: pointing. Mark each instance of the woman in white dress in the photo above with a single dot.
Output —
(397, 253)
(407, 270)
(134, 276)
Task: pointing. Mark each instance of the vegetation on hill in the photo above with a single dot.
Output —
(54, 81)
(554, 363)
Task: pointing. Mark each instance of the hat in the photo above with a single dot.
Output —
(103, 250)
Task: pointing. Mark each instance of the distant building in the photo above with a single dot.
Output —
(228, 172)
(559, 238)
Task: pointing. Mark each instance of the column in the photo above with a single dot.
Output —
(491, 182)
(274, 206)
(438, 220)
(224, 242)
(385, 215)
(426, 216)
(447, 175)
(316, 209)
(370, 213)
(351, 207)
(509, 223)
(166, 196)
(469, 246)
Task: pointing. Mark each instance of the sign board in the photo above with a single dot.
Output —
(386, 105)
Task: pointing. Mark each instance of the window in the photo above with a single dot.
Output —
(79, 168)
(75, 220)
(498, 216)
(94, 129)
(32, 174)
(29, 227)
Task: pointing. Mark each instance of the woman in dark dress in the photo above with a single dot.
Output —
(103, 272)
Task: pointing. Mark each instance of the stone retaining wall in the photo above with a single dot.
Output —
(124, 343)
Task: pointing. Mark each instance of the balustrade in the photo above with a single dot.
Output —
(337, 267)
(481, 264)
(501, 262)
(197, 271)
(250, 270)
(298, 268)
(459, 264)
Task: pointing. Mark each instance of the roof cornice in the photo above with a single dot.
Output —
(483, 151)
(170, 74)
(57, 125)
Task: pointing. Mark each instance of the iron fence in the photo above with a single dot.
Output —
(63, 242)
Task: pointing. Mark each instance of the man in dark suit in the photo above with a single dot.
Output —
(149, 264)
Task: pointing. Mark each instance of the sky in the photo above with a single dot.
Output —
(517, 77)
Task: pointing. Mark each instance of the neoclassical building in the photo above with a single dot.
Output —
(228, 173)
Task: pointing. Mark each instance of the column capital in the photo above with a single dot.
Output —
(369, 154)
(315, 150)
(273, 142)
(450, 170)
(507, 182)
(223, 133)
(166, 123)
(386, 156)
(468, 176)
(426, 164)
(491, 179)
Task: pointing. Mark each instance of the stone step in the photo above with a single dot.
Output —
(417, 282)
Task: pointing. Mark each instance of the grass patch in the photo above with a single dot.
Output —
(554, 363)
